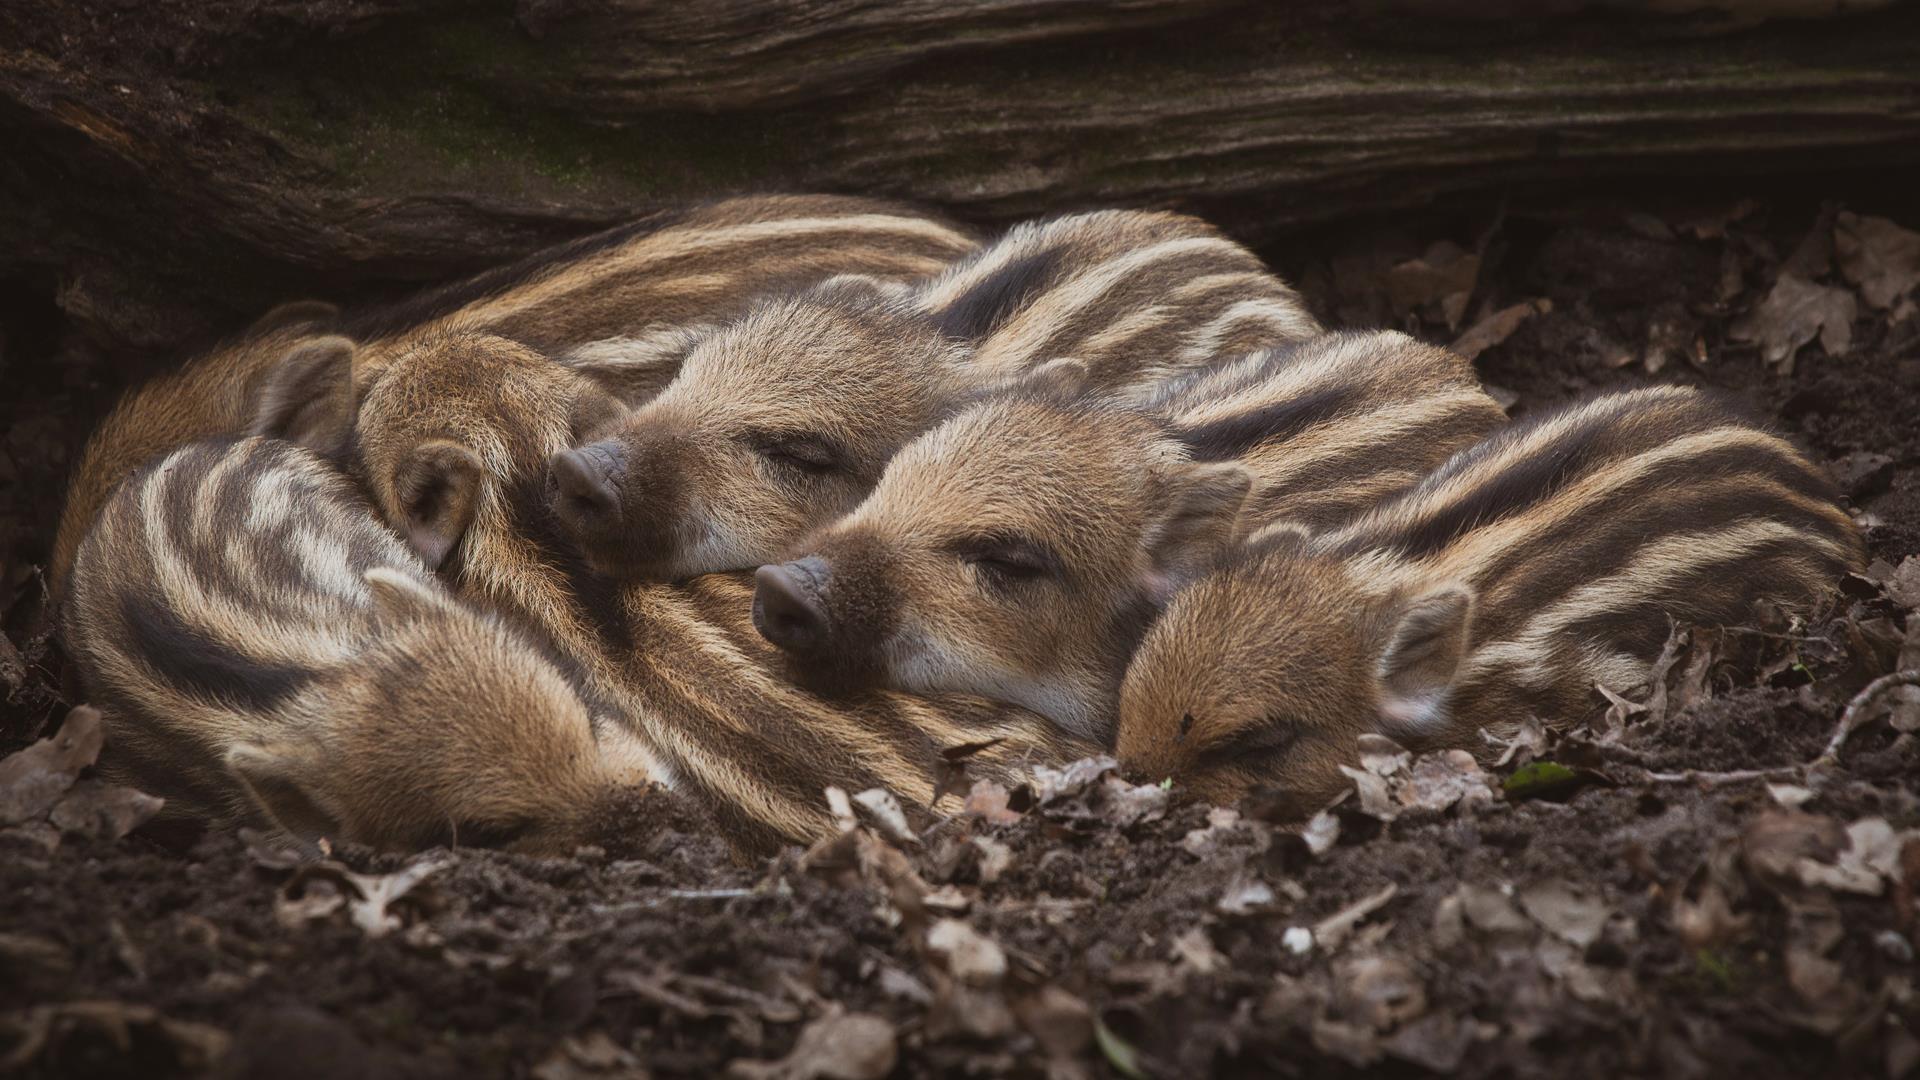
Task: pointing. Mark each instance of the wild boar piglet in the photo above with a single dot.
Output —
(782, 420)
(1508, 584)
(1019, 550)
(263, 648)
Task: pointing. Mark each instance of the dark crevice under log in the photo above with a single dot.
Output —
(178, 172)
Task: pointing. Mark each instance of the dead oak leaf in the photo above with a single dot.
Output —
(34, 779)
(1439, 781)
(1902, 583)
(1498, 327)
(102, 811)
(1441, 280)
(1880, 258)
(1794, 312)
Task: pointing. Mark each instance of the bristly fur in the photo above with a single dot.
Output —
(617, 294)
(1107, 508)
(699, 694)
(263, 648)
(1508, 583)
(782, 420)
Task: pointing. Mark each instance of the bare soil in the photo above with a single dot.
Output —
(1585, 909)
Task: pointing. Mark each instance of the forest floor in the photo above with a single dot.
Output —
(1693, 887)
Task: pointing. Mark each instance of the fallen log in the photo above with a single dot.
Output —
(178, 173)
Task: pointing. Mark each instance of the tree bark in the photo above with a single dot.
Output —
(179, 164)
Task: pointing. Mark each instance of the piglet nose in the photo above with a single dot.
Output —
(786, 605)
(581, 488)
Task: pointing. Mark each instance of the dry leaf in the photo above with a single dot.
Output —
(1498, 327)
(1489, 911)
(1221, 822)
(1442, 280)
(1329, 932)
(989, 802)
(1567, 912)
(1791, 796)
(1382, 756)
(1525, 744)
(880, 805)
(1902, 582)
(34, 779)
(838, 1046)
(1375, 801)
(1794, 313)
(1438, 781)
(1880, 258)
(1321, 832)
(971, 957)
(102, 811)
(841, 808)
(1132, 804)
(1075, 778)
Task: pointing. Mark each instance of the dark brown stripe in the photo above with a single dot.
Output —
(200, 665)
(1235, 436)
(989, 302)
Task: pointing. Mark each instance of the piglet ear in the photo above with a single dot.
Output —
(1422, 657)
(279, 781)
(1282, 536)
(1200, 522)
(438, 486)
(307, 397)
(293, 314)
(399, 597)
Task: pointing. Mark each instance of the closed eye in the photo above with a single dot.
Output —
(1269, 738)
(1008, 559)
(811, 454)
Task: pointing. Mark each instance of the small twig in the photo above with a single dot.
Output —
(1860, 709)
(1715, 779)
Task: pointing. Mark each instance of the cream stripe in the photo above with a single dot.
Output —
(1017, 342)
(675, 243)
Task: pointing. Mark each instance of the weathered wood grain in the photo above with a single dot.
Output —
(178, 165)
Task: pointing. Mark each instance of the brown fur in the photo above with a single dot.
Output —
(614, 299)
(701, 695)
(783, 420)
(1507, 584)
(264, 650)
(1019, 550)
